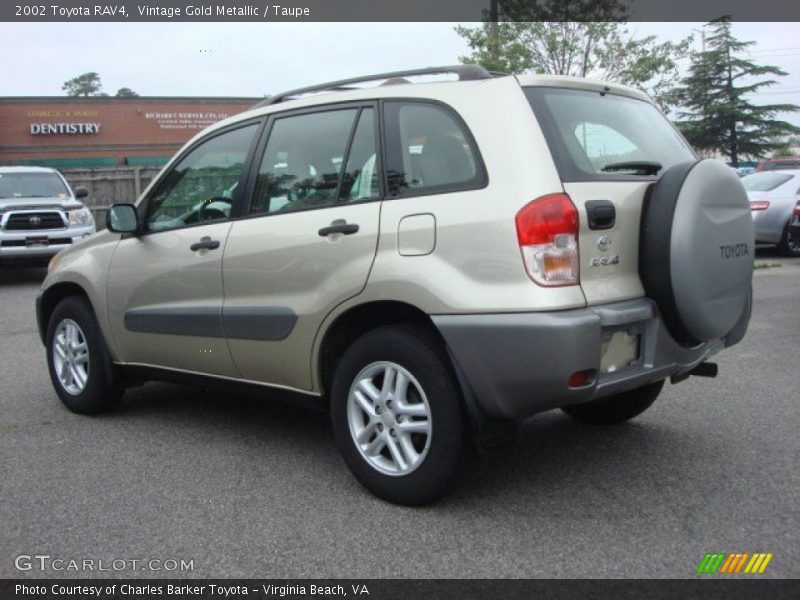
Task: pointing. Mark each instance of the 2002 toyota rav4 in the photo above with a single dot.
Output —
(430, 260)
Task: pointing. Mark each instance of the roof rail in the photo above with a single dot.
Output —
(464, 72)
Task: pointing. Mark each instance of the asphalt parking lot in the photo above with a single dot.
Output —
(248, 488)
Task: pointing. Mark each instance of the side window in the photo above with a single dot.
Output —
(201, 186)
(360, 179)
(427, 150)
(303, 162)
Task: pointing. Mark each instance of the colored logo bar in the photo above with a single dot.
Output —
(736, 562)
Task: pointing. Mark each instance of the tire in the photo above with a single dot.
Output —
(618, 408)
(415, 356)
(696, 248)
(790, 243)
(73, 333)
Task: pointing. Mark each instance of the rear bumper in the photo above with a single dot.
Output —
(517, 365)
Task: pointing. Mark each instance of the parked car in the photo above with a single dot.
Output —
(795, 225)
(40, 214)
(773, 198)
(431, 262)
(779, 163)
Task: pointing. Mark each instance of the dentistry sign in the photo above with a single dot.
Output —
(64, 128)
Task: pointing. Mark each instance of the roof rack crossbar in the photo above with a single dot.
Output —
(464, 72)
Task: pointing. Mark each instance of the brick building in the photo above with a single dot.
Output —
(67, 132)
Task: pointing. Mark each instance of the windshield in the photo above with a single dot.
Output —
(764, 182)
(32, 185)
(594, 136)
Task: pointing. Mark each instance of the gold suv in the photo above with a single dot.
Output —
(431, 261)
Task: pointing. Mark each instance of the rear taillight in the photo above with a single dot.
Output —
(797, 210)
(547, 229)
(759, 204)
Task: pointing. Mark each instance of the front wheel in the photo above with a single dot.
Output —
(617, 408)
(396, 413)
(79, 365)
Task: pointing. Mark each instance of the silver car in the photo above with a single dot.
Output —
(774, 195)
(40, 214)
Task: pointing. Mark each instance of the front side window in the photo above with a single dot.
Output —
(201, 187)
(303, 161)
(427, 150)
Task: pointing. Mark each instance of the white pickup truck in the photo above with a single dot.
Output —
(40, 214)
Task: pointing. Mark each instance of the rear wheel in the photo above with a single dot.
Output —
(396, 413)
(790, 242)
(618, 408)
(79, 365)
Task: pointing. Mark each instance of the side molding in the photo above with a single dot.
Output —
(266, 323)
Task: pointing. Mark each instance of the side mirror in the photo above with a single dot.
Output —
(122, 218)
(81, 192)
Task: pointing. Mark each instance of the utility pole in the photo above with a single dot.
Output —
(493, 34)
(731, 98)
(702, 33)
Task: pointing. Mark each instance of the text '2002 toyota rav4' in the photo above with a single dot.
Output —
(430, 261)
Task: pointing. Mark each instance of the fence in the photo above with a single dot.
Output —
(109, 186)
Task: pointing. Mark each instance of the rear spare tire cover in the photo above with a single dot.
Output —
(696, 250)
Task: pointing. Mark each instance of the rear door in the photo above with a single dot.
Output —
(306, 240)
(609, 149)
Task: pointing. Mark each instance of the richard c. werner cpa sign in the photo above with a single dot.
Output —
(64, 128)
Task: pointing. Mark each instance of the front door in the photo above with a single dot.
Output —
(165, 285)
(306, 242)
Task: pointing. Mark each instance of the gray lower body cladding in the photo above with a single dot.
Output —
(269, 323)
(520, 364)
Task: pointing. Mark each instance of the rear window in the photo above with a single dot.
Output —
(765, 182)
(590, 134)
(32, 185)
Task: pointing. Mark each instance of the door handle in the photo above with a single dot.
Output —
(342, 227)
(205, 243)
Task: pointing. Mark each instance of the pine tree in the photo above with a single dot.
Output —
(717, 115)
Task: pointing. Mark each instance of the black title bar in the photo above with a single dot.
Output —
(393, 10)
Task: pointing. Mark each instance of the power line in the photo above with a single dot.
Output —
(776, 93)
(775, 49)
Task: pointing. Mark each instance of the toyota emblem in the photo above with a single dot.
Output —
(35, 221)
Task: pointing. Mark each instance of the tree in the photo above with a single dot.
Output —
(583, 38)
(717, 114)
(126, 92)
(87, 84)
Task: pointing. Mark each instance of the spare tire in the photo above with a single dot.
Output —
(696, 250)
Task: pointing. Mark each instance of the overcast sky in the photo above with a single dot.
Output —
(254, 59)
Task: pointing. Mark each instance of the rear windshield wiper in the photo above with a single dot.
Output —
(643, 167)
